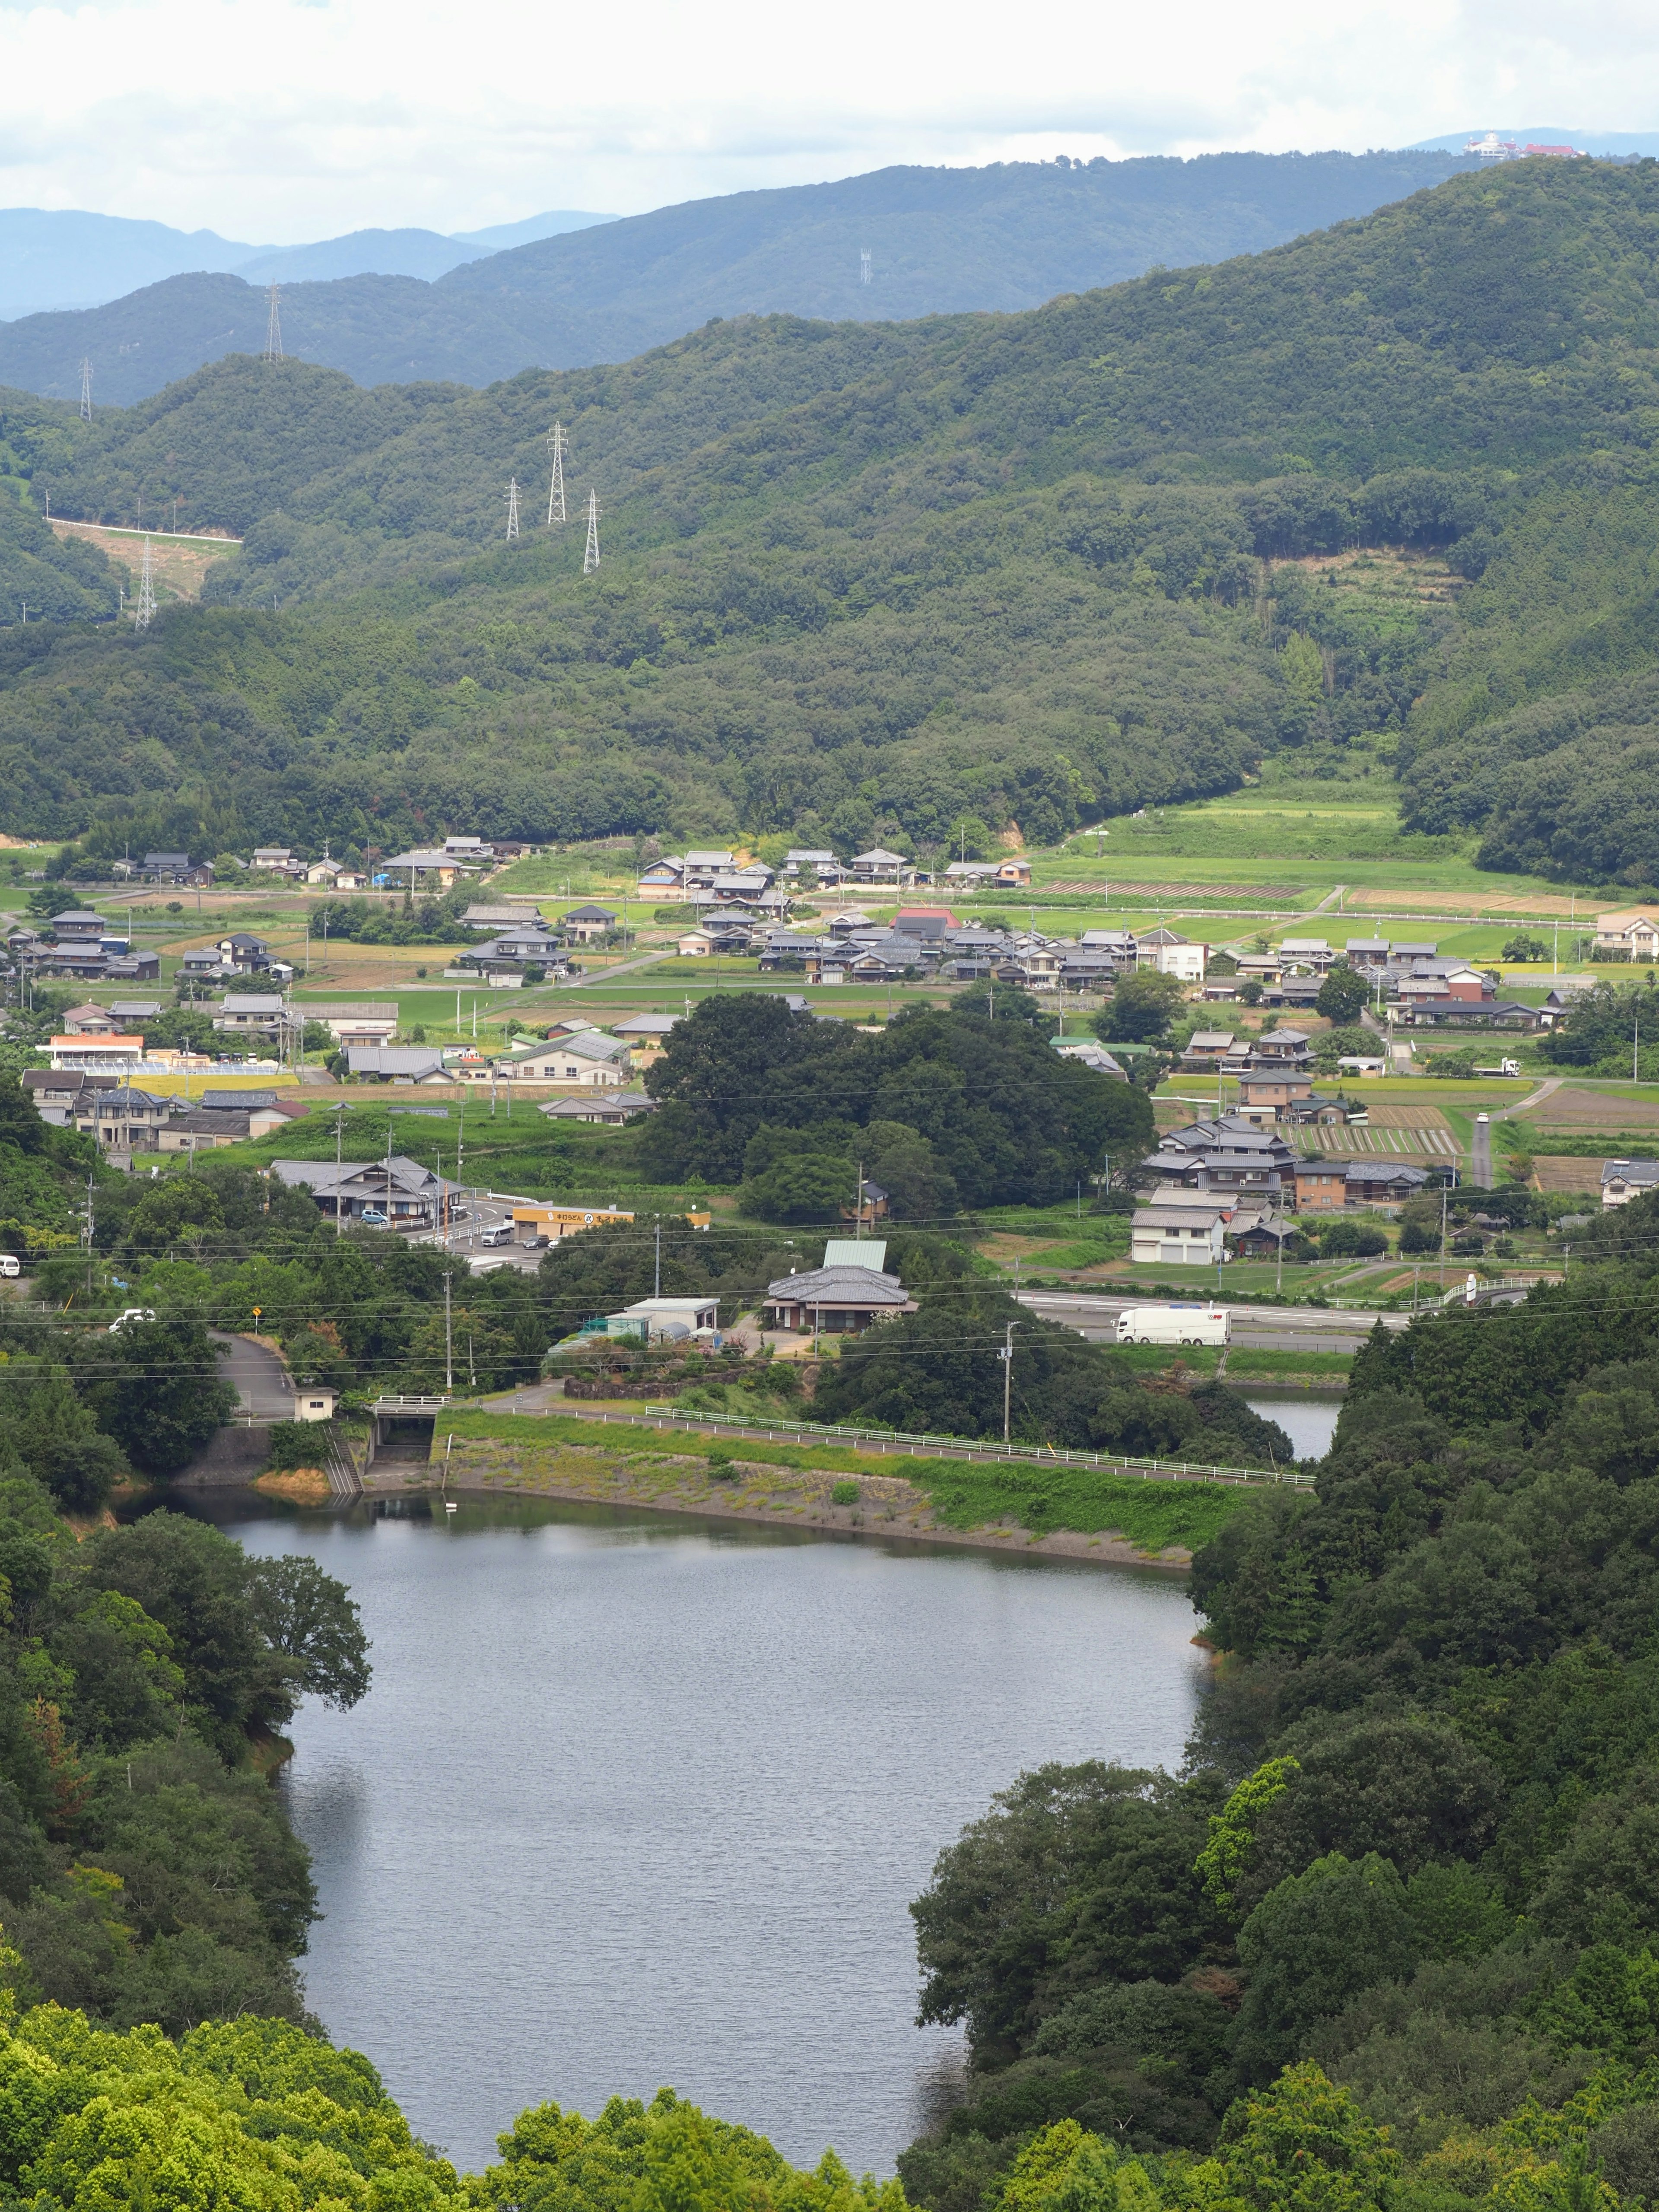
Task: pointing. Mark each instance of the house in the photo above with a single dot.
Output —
(57, 1090)
(878, 865)
(1090, 1056)
(590, 1058)
(738, 886)
(398, 1191)
(1014, 873)
(122, 1119)
(263, 1110)
(396, 1063)
(1367, 953)
(97, 1055)
(696, 945)
(244, 955)
(167, 867)
(702, 868)
(529, 944)
(313, 1401)
(422, 862)
(663, 878)
(1624, 1180)
(646, 1029)
(476, 850)
(1170, 954)
(201, 964)
(835, 1300)
(1283, 1048)
(125, 1012)
(1258, 968)
(551, 1223)
(90, 1021)
(274, 860)
(584, 923)
(1382, 1182)
(870, 1204)
(1271, 1090)
(507, 915)
(372, 1021)
(133, 967)
(194, 1131)
(1311, 954)
(1206, 1047)
(665, 1321)
(1169, 1234)
(823, 865)
(80, 928)
(1359, 1063)
(1321, 1185)
(255, 1014)
(611, 1107)
(335, 876)
(1633, 934)
(926, 924)
(1090, 971)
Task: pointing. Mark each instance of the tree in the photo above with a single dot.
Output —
(1356, 1240)
(814, 1186)
(1142, 1006)
(1305, 2146)
(1523, 946)
(155, 1387)
(1344, 993)
(313, 1621)
(1316, 1940)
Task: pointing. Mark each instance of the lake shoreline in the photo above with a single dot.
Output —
(896, 1510)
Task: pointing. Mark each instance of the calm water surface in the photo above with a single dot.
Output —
(640, 1800)
(1308, 1421)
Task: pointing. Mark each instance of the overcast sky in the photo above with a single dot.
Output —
(278, 120)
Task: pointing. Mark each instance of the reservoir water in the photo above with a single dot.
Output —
(639, 1800)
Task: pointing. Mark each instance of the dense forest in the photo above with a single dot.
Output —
(1412, 1851)
(860, 579)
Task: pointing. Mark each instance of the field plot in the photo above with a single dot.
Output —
(178, 565)
(1433, 1142)
(1401, 1113)
(1573, 1108)
(1554, 1172)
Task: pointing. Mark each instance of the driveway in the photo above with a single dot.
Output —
(257, 1377)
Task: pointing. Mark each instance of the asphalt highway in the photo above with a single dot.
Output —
(1269, 1328)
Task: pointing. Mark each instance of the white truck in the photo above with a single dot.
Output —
(1501, 1067)
(1182, 1324)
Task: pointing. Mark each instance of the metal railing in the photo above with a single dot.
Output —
(909, 1445)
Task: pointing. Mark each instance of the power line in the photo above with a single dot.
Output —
(557, 445)
(274, 328)
(591, 557)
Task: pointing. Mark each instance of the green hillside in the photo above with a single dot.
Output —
(860, 579)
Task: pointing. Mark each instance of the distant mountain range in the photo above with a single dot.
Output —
(68, 258)
(894, 245)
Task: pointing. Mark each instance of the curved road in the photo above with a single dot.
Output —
(259, 1378)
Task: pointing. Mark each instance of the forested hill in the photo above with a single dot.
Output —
(859, 577)
(940, 241)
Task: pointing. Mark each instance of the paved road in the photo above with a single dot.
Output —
(1480, 1172)
(258, 1377)
(1269, 1328)
(622, 967)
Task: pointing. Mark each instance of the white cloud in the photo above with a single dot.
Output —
(286, 120)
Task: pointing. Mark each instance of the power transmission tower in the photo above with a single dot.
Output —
(591, 557)
(558, 444)
(274, 329)
(863, 264)
(145, 606)
(512, 508)
(86, 391)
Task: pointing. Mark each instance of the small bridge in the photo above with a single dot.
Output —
(401, 1427)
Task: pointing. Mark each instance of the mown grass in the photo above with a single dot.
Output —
(963, 1494)
(1264, 1363)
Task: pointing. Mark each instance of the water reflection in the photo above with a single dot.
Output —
(637, 1800)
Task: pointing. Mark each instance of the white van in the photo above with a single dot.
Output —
(499, 1233)
(1194, 1324)
(10, 1264)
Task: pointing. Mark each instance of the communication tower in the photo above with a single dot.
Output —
(86, 391)
(512, 508)
(558, 446)
(145, 607)
(591, 557)
(274, 328)
(863, 264)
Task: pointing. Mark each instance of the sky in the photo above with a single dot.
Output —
(280, 120)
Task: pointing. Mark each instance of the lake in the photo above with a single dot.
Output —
(638, 1799)
(1308, 1419)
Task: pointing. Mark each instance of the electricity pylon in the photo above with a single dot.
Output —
(558, 444)
(145, 607)
(512, 508)
(863, 264)
(591, 557)
(274, 329)
(86, 391)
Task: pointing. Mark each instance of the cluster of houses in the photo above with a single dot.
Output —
(721, 879)
(125, 1119)
(1412, 982)
(930, 942)
(845, 1295)
(1226, 1186)
(81, 947)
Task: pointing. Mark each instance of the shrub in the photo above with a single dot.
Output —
(844, 1493)
(298, 1443)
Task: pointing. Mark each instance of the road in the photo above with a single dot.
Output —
(259, 1378)
(1481, 1174)
(1267, 1328)
(608, 974)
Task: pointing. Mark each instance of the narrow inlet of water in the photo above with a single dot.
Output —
(1308, 1421)
(640, 1800)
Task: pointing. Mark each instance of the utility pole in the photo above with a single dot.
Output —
(1007, 1379)
(557, 444)
(591, 557)
(449, 1346)
(90, 1234)
(512, 508)
(656, 1284)
(339, 1125)
(273, 326)
(86, 391)
(858, 1215)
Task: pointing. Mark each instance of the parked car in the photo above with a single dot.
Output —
(10, 1264)
(499, 1233)
(372, 1218)
(132, 1312)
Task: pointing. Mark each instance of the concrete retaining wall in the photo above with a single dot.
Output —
(235, 1455)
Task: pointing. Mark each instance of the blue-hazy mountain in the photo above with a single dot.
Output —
(939, 241)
